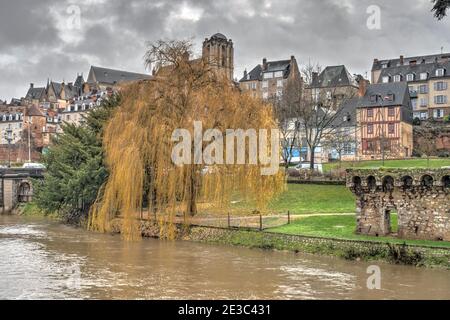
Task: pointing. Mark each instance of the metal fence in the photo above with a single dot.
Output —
(258, 222)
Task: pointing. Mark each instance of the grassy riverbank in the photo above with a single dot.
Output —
(343, 227)
(406, 163)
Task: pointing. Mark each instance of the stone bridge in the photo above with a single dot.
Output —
(421, 198)
(16, 186)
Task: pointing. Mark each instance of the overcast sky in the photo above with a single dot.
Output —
(42, 39)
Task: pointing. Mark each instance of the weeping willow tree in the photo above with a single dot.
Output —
(139, 145)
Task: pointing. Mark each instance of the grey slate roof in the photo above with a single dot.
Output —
(272, 66)
(111, 76)
(35, 93)
(347, 113)
(398, 89)
(79, 81)
(334, 76)
(440, 58)
(403, 70)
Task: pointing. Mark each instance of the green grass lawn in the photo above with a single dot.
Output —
(306, 199)
(343, 227)
(407, 163)
(310, 198)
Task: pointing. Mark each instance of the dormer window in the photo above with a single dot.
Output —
(424, 76)
(384, 65)
(410, 77)
(385, 79)
(279, 74)
(390, 97)
(373, 98)
(440, 72)
(397, 78)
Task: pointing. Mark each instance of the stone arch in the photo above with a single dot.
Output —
(446, 181)
(388, 183)
(407, 182)
(25, 192)
(371, 183)
(357, 184)
(427, 181)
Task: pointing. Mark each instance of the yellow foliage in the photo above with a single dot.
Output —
(138, 147)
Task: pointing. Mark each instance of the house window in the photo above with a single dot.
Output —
(440, 99)
(265, 84)
(391, 128)
(280, 83)
(423, 89)
(438, 113)
(328, 95)
(440, 86)
(385, 79)
(410, 77)
(265, 95)
(424, 115)
(397, 78)
(370, 113)
(278, 74)
(424, 76)
(440, 72)
(370, 128)
(423, 102)
(384, 65)
(414, 103)
(391, 112)
(268, 75)
(253, 85)
(390, 97)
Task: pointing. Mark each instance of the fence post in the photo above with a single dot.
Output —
(260, 223)
(229, 221)
(289, 217)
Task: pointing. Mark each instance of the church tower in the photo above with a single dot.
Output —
(219, 52)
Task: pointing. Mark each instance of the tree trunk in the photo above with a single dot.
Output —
(192, 194)
(312, 151)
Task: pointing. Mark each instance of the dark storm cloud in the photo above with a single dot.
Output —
(36, 44)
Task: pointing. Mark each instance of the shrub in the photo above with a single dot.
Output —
(447, 119)
(416, 121)
(443, 154)
(401, 254)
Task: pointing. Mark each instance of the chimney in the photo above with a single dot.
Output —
(245, 74)
(375, 61)
(264, 64)
(402, 60)
(362, 87)
(31, 85)
(315, 78)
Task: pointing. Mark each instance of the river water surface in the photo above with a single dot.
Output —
(41, 259)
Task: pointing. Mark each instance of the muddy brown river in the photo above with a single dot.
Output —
(42, 259)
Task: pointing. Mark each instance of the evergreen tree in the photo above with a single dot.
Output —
(75, 167)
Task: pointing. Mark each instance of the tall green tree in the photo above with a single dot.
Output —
(75, 168)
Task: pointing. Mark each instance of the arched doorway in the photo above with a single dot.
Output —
(25, 193)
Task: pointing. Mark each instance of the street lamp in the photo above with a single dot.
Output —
(9, 136)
